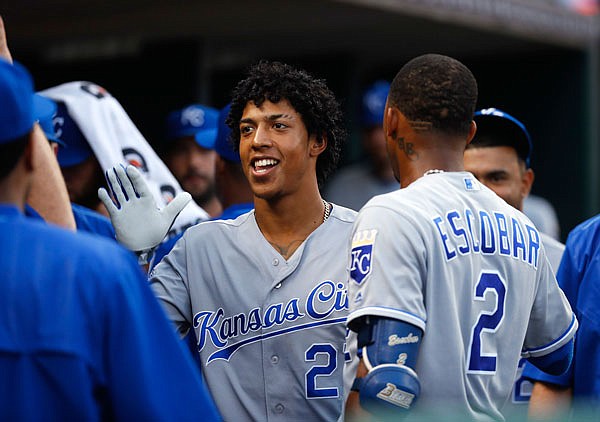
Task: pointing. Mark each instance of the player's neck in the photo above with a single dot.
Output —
(286, 223)
(444, 160)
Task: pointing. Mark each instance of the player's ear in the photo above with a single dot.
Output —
(472, 131)
(317, 144)
(527, 182)
(391, 120)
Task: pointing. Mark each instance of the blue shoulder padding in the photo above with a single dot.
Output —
(387, 340)
(557, 362)
(389, 387)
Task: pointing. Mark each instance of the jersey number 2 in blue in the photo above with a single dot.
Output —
(487, 322)
(312, 391)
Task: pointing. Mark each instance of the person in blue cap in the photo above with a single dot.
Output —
(78, 163)
(354, 185)
(189, 153)
(82, 337)
(85, 218)
(498, 128)
(500, 157)
(233, 189)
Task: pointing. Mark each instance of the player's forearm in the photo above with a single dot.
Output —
(549, 402)
(48, 194)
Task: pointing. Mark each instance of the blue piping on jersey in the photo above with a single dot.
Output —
(389, 312)
(536, 351)
(227, 352)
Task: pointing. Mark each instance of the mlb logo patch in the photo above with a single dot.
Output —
(362, 254)
(471, 184)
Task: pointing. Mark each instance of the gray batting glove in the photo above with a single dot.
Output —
(139, 224)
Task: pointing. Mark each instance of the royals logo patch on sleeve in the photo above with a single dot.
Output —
(362, 254)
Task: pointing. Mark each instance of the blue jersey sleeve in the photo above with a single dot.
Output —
(531, 372)
(578, 277)
(151, 375)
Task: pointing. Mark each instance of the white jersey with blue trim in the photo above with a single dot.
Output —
(271, 333)
(447, 255)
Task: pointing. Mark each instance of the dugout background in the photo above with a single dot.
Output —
(532, 58)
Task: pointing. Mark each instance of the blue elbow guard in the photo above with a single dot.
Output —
(389, 387)
(390, 348)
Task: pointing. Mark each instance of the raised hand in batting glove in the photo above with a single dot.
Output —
(139, 224)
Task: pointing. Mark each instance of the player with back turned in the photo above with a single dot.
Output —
(265, 292)
(449, 285)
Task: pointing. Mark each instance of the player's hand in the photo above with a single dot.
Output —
(4, 51)
(139, 224)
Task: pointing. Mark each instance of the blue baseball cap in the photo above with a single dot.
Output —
(223, 144)
(77, 149)
(16, 101)
(194, 120)
(44, 110)
(373, 103)
(497, 127)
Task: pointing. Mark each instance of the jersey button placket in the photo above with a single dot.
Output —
(279, 408)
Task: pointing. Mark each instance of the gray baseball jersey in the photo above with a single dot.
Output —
(449, 256)
(271, 333)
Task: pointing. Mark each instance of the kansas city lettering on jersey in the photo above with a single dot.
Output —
(488, 234)
(324, 300)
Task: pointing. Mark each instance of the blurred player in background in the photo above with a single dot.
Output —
(542, 213)
(449, 285)
(189, 153)
(354, 185)
(265, 293)
(232, 186)
(81, 335)
(81, 170)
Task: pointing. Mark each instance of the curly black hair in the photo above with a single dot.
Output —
(436, 89)
(310, 97)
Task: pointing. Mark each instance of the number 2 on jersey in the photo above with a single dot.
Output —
(487, 322)
(312, 391)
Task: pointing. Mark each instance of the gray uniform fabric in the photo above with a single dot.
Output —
(270, 332)
(446, 254)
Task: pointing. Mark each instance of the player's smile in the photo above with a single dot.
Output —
(263, 165)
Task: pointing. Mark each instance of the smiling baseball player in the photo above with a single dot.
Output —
(266, 293)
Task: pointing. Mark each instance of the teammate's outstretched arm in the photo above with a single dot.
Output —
(139, 224)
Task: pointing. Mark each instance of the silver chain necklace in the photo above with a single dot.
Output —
(327, 210)
(432, 171)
